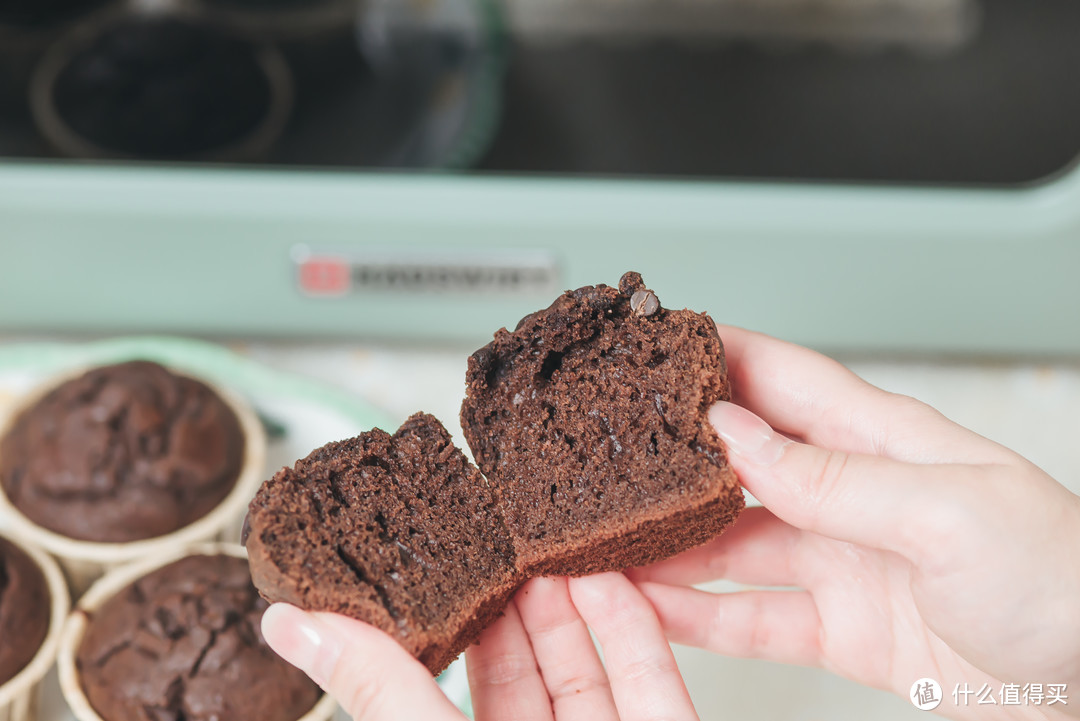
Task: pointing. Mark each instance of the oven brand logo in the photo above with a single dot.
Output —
(324, 274)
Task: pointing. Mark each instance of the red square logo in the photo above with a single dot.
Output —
(324, 276)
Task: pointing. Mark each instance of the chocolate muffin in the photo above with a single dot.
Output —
(25, 610)
(590, 417)
(123, 453)
(399, 531)
(183, 643)
(589, 421)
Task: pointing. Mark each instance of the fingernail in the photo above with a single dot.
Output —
(746, 435)
(302, 640)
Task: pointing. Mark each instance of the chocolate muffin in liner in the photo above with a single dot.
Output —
(108, 587)
(20, 695)
(84, 559)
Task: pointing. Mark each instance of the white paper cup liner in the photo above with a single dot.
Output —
(19, 697)
(108, 586)
(83, 562)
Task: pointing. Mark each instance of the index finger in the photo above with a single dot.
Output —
(367, 671)
(803, 393)
(645, 679)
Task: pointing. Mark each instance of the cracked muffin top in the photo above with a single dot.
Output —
(123, 453)
(183, 643)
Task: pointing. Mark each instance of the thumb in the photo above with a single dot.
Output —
(868, 500)
(367, 671)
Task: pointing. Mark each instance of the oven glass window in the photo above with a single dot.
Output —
(902, 91)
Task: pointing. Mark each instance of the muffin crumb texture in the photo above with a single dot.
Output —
(591, 417)
(183, 643)
(123, 453)
(588, 421)
(400, 531)
(25, 608)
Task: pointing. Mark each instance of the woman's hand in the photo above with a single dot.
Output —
(919, 548)
(536, 663)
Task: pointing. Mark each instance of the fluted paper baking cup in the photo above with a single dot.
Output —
(83, 562)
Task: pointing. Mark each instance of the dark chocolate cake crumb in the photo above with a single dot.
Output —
(184, 643)
(399, 531)
(122, 453)
(591, 418)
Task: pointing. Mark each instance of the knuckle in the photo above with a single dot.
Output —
(553, 626)
(741, 633)
(625, 617)
(365, 693)
(719, 634)
(623, 614)
(906, 419)
(827, 478)
(950, 523)
(758, 632)
(908, 407)
(577, 684)
(647, 667)
(504, 670)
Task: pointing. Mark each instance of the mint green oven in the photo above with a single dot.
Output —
(899, 180)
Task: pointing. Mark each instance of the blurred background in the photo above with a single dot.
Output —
(362, 191)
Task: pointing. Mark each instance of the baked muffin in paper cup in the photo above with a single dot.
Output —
(20, 695)
(114, 463)
(108, 587)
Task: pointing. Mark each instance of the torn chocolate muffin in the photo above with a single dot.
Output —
(589, 424)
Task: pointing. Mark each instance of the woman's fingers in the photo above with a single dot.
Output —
(868, 500)
(503, 676)
(813, 397)
(802, 392)
(759, 550)
(573, 674)
(645, 680)
(368, 672)
(781, 626)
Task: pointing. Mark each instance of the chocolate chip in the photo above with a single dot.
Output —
(630, 282)
(644, 302)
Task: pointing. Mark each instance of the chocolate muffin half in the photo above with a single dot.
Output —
(399, 531)
(590, 417)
